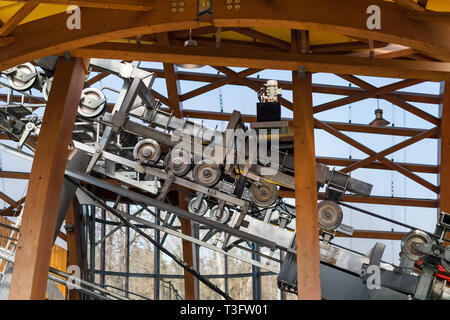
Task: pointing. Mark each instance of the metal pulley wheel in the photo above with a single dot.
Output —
(92, 103)
(263, 194)
(202, 208)
(46, 88)
(22, 77)
(221, 217)
(207, 173)
(446, 263)
(147, 151)
(330, 215)
(179, 161)
(414, 236)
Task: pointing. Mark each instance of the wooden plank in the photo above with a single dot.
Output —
(444, 149)
(308, 252)
(402, 69)
(21, 14)
(135, 5)
(29, 280)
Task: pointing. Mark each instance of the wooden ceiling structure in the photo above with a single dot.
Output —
(302, 36)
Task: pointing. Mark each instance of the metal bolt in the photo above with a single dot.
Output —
(181, 9)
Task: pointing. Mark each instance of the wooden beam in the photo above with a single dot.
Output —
(429, 16)
(373, 234)
(187, 228)
(21, 14)
(444, 149)
(8, 200)
(176, 106)
(221, 81)
(391, 51)
(97, 78)
(370, 152)
(343, 162)
(257, 35)
(410, 5)
(393, 99)
(341, 126)
(74, 242)
(14, 175)
(390, 150)
(173, 89)
(286, 85)
(308, 251)
(389, 201)
(424, 70)
(135, 5)
(340, 17)
(98, 25)
(29, 280)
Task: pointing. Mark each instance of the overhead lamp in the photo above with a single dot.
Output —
(190, 43)
(379, 121)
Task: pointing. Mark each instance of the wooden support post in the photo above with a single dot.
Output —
(187, 228)
(308, 254)
(74, 243)
(29, 280)
(444, 149)
(176, 106)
